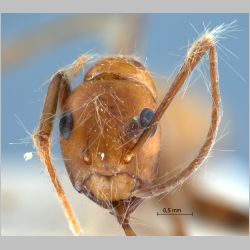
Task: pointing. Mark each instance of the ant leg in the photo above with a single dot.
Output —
(122, 212)
(127, 228)
(57, 93)
(196, 52)
(122, 215)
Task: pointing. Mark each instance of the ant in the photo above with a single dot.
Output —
(109, 133)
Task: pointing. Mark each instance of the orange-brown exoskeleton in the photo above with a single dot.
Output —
(109, 136)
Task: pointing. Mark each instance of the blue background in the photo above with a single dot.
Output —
(164, 35)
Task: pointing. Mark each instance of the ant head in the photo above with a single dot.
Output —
(101, 120)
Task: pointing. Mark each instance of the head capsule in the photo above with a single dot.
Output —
(106, 121)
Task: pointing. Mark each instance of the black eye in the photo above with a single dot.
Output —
(131, 129)
(66, 125)
(146, 117)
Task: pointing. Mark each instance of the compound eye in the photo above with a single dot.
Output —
(66, 125)
(131, 129)
(146, 117)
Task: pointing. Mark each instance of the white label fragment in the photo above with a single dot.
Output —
(27, 156)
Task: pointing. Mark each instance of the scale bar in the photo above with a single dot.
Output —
(192, 214)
